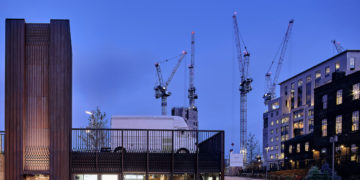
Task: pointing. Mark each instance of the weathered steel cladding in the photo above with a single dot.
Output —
(60, 99)
(38, 99)
(14, 97)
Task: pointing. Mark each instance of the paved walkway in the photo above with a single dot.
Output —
(238, 178)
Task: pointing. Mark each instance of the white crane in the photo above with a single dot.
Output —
(192, 94)
(271, 83)
(161, 89)
(245, 85)
(338, 46)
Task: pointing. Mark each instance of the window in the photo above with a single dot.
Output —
(324, 127)
(272, 131)
(339, 97)
(327, 71)
(317, 75)
(352, 63)
(285, 89)
(298, 148)
(337, 66)
(275, 105)
(355, 121)
(310, 112)
(277, 138)
(272, 156)
(284, 120)
(277, 121)
(356, 91)
(298, 114)
(300, 82)
(292, 85)
(277, 130)
(276, 147)
(307, 146)
(354, 150)
(338, 126)
(272, 123)
(311, 124)
(290, 149)
(272, 139)
(324, 101)
(308, 78)
(271, 148)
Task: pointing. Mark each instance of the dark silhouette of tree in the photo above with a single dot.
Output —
(93, 138)
(253, 148)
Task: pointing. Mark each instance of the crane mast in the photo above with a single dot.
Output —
(271, 84)
(245, 86)
(192, 91)
(161, 89)
(338, 46)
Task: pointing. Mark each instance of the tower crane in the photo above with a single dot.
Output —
(338, 46)
(192, 94)
(161, 89)
(271, 83)
(243, 59)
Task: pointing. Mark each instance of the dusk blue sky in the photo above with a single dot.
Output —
(116, 43)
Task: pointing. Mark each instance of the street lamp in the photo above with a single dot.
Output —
(333, 140)
(267, 149)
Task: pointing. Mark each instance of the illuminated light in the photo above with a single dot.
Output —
(87, 131)
(193, 32)
(89, 112)
(342, 146)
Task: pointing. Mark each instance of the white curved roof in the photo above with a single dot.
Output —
(148, 122)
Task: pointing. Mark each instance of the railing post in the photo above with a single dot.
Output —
(222, 166)
(147, 154)
(197, 156)
(172, 155)
(122, 153)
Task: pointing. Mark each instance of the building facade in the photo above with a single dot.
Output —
(296, 103)
(190, 116)
(38, 73)
(336, 113)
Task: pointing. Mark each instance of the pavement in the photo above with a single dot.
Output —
(239, 178)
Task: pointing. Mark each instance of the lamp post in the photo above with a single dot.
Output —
(267, 149)
(333, 140)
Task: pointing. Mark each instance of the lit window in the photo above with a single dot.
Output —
(355, 121)
(272, 156)
(272, 131)
(277, 156)
(292, 85)
(272, 139)
(352, 63)
(277, 138)
(298, 148)
(318, 75)
(327, 71)
(324, 127)
(300, 82)
(290, 149)
(272, 123)
(338, 126)
(339, 97)
(284, 120)
(307, 146)
(324, 101)
(277, 121)
(354, 150)
(282, 156)
(272, 148)
(337, 66)
(282, 146)
(275, 105)
(356, 91)
(286, 137)
(308, 78)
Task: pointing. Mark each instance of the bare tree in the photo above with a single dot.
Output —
(93, 138)
(253, 148)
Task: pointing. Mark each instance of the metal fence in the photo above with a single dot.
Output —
(125, 150)
(2, 141)
(136, 140)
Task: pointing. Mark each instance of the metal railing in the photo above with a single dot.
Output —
(138, 140)
(139, 150)
(2, 141)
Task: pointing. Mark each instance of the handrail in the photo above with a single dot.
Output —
(148, 129)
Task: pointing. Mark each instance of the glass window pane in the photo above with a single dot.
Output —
(109, 177)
